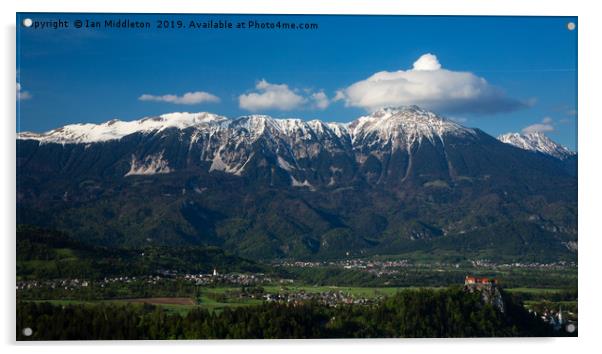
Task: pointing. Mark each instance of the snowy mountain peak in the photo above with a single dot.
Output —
(116, 129)
(402, 126)
(536, 141)
(407, 109)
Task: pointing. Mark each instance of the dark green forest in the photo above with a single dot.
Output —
(420, 313)
(51, 254)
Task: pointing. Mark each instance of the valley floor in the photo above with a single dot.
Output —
(543, 290)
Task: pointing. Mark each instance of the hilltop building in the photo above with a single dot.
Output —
(469, 280)
(487, 288)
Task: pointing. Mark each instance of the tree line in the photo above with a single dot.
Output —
(420, 313)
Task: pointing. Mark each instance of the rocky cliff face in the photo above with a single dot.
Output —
(490, 294)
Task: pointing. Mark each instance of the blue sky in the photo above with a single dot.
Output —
(499, 74)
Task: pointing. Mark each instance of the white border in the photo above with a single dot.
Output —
(590, 116)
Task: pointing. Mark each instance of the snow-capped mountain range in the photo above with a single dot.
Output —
(388, 128)
(402, 125)
(266, 187)
(227, 143)
(537, 141)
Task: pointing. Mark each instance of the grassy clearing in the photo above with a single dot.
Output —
(163, 301)
(183, 305)
(207, 299)
(181, 309)
(562, 303)
(368, 292)
(533, 290)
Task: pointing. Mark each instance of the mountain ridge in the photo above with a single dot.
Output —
(116, 129)
(264, 188)
(537, 141)
(389, 122)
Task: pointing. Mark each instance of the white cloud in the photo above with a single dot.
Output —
(546, 125)
(428, 85)
(427, 62)
(339, 96)
(271, 96)
(320, 100)
(22, 94)
(187, 98)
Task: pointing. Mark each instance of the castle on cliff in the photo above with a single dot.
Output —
(470, 280)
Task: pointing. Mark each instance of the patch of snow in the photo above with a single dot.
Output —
(284, 164)
(305, 183)
(218, 164)
(150, 165)
(199, 190)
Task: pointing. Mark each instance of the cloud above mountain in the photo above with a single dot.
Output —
(320, 100)
(431, 86)
(189, 98)
(22, 94)
(546, 125)
(269, 96)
